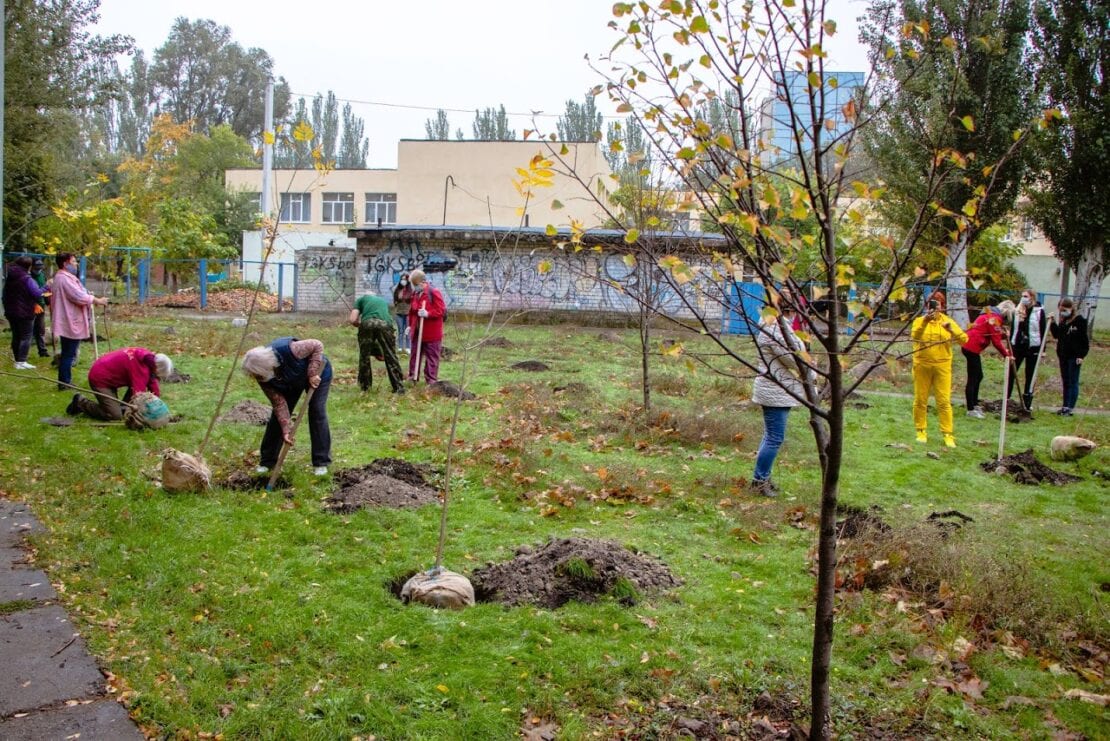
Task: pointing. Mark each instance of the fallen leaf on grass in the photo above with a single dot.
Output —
(1013, 700)
(1085, 696)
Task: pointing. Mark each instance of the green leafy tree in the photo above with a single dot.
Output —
(354, 147)
(334, 140)
(438, 128)
(325, 122)
(628, 151)
(493, 125)
(963, 87)
(55, 73)
(1069, 200)
(581, 122)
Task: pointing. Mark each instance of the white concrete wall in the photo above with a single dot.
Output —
(287, 247)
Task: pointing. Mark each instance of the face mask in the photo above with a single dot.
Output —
(1065, 313)
(404, 283)
(1025, 301)
(71, 268)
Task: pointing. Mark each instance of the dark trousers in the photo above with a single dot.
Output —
(376, 340)
(429, 356)
(40, 335)
(318, 430)
(69, 355)
(1069, 377)
(1029, 358)
(21, 337)
(106, 406)
(974, 378)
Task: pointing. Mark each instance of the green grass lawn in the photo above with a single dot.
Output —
(262, 615)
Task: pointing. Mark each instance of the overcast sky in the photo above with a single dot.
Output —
(397, 62)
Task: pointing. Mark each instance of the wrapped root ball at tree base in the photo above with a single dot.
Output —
(1068, 448)
(183, 473)
(146, 411)
(439, 588)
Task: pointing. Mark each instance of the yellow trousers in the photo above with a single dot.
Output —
(936, 380)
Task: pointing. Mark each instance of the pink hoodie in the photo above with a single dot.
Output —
(67, 306)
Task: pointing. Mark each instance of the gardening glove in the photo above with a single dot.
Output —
(423, 313)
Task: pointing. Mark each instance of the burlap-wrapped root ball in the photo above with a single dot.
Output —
(439, 588)
(146, 411)
(182, 473)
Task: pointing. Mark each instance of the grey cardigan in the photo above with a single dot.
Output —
(777, 351)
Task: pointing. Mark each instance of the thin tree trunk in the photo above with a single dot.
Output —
(645, 346)
(1088, 282)
(956, 263)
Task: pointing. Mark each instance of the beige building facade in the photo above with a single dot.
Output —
(465, 183)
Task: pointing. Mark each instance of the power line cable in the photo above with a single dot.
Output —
(404, 106)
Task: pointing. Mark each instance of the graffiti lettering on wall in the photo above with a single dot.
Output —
(326, 277)
(576, 281)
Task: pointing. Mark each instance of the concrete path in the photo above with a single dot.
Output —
(50, 687)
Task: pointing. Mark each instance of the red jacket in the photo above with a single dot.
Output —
(432, 300)
(131, 367)
(986, 330)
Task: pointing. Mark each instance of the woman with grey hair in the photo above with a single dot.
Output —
(285, 369)
(133, 368)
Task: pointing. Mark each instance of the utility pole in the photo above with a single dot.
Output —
(3, 57)
(268, 149)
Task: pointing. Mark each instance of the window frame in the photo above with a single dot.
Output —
(388, 201)
(304, 203)
(345, 203)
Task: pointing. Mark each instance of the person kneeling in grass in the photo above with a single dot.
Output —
(134, 368)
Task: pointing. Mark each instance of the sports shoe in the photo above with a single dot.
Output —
(976, 414)
(320, 471)
(74, 409)
(24, 365)
(262, 469)
(922, 437)
(1067, 412)
(949, 441)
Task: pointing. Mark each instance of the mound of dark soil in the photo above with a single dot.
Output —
(386, 482)
(949, 522)
(178, 377)
(1026, 469)
(1015, 412)
(566, 569)
(857, 521)
(610, 337)
(247, 412)
(57, 421)
(574, 387)
(446, 388)
(240, 480)
(497, 342)
(534, 366)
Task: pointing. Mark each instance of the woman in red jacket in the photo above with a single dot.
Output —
(425, 326)
(987, 329)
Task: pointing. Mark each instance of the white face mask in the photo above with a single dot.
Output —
(1065, 313)
(1025, 300)
(404, 282)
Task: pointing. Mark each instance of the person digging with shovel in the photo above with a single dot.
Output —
(285, 369)
(426, 327)
(1029, 331)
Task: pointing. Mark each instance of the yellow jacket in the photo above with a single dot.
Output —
(932, 340)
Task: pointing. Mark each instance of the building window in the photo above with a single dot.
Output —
(296, 208)
(339, 208)
(381, 206)
(1027, 229)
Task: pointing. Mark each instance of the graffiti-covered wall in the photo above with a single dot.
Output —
(325, 278)
(515, 275)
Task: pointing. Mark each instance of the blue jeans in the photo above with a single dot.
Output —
(774, 432)
(1069, 376)
(404, 342)
(69, 354)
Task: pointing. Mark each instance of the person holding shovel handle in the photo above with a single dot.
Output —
(1026, 336)
(285, 369)
(69, 315)
(1072, 345)
(426, 327)
(989, 328)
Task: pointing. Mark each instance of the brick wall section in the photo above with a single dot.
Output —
(325, 279)
(587, 281)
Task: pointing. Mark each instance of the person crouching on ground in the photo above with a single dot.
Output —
(933, 334)
(987, 329)
(1029, 330)
(69, 313)
(376, 340)
(777, 389)
(134, 368)
(425, 327)
(285, 369)
(1072, 345)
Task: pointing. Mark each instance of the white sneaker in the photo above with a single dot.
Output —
(23, 365)
(977, 414)
(262, 469)
(320, 471)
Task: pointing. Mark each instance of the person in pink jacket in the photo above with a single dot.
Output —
(69, 308)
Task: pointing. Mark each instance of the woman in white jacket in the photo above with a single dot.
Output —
(777, 389)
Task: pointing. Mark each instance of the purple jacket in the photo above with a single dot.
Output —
(21, 293)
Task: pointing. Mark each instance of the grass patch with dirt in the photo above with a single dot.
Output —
(247, 613)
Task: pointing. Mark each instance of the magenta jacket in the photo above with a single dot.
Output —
(69, 306)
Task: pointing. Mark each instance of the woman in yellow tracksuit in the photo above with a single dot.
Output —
(933, 336)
